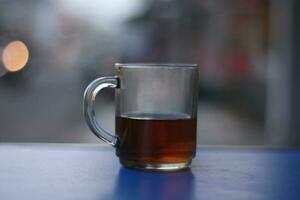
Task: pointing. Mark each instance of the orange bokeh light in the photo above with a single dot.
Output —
(15, 56)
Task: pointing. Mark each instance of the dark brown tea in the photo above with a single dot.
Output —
(156, 138)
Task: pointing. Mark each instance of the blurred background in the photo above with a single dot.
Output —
(247, 52)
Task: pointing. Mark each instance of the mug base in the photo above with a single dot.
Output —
(167, 167)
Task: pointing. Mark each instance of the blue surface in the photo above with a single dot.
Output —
(61, 171)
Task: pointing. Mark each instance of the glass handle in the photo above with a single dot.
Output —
(88, 107)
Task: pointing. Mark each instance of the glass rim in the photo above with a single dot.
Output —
(158, 65)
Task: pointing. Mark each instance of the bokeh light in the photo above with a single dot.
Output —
(15, 56)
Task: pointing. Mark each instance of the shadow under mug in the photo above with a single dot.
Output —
(136, 185)
(156, 114)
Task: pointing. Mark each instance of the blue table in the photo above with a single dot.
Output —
(92, 172)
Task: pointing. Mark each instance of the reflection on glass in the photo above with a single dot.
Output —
(15, 56)
(132, 184)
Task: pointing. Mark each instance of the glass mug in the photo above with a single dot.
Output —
(156, 114)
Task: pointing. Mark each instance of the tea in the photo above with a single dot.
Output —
(156, 138)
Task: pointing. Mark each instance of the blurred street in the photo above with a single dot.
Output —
(247, 54)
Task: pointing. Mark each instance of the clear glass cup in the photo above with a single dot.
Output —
(156, 114)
